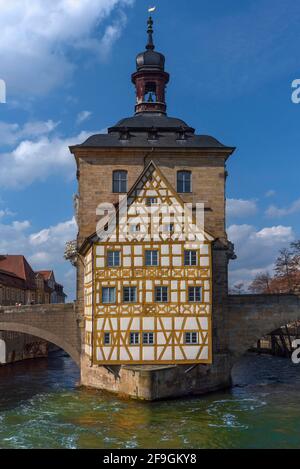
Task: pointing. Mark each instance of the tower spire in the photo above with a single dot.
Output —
(150, 45)
(150, 79)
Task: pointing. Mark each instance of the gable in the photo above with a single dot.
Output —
(154, 212)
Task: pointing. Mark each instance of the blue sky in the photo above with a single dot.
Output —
(67, 67)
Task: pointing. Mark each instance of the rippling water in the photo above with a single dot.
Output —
(40, 407)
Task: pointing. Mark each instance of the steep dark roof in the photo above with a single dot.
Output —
(150, 130)
(149, 120)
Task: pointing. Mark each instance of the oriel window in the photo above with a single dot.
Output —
(184, 182)
(120, 182)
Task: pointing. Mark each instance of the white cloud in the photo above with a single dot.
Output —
(270, 193)
(6, 213)
(276, 212)
(10, 134)
(83, 116)
(43, 249)
(256, 249)
(43, 32)
(241, 208)
(38, 158)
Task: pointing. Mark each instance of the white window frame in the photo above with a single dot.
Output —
(191, 338)
(184, 182)
(107, 334)
(151, 252)
(120, 177)
(131, 289)
(161, 288)
(134, 338)
(194, 288)
(190, 253)
(110, 251)
(115, 296)
(146, 338)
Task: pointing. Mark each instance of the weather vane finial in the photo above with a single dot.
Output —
(150, 45)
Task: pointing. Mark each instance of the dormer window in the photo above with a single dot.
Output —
(120, 185)
(184, 182)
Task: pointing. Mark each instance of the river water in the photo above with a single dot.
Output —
(41, 407)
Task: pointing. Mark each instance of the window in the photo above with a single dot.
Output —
(161, 294)
(191, 338)
(151, 258)
(195, 294)
(108, 295)
(168, 228)
(134, 338)
(135, 228)
(113, 258)
(184, 182)
(120, 182)
(106, 338)
(190, 258)
(148, 338)
(150, 92)
(151, 201)
(129, 295)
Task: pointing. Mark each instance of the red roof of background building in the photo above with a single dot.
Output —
(19, 266)
(9, 279)
(46, 273)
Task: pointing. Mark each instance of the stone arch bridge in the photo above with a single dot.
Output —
(248, 318)
(56, 323)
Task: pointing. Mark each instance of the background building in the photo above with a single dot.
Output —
(19, 284)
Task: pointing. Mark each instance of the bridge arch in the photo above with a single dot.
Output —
(54, 323)
(41, 334)
(251, 317)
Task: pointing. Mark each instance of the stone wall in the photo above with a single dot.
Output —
(158, 382)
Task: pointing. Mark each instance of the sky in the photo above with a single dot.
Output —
(67, 67)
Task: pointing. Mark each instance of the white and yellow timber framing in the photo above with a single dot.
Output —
(168, 321)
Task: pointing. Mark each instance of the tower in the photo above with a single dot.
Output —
(152, 307)
(150, 79)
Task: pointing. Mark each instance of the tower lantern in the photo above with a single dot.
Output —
(150, 79)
